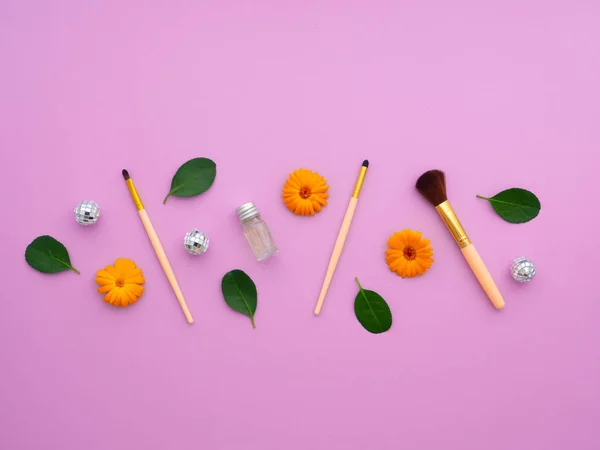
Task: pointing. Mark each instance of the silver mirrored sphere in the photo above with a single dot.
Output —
(195, 242)
(87, 212)
(522, 270)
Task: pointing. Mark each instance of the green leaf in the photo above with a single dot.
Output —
(515, 205)
(193, 178)
(372, 311)
(47, 255)
(239, 292)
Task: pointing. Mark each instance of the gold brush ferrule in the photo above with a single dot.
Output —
(359, 182)
(453, 224)
(134, 195)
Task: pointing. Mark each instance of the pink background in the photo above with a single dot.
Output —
(501, 95)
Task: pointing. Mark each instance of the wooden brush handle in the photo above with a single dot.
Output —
(164, 262)
(483, 275)
(337, 251)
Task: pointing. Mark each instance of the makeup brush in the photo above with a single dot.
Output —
(432, 185)
(343, 233)
(158, 248)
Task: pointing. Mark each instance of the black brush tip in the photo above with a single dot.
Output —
(366, 163)
(125, 174)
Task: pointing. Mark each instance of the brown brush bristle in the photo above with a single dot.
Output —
(432, 185)
(125, 174)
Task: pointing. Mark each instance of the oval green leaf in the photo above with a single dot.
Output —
(515, 205)
(240, 294)
(193, 178)
(45, 254)
(372, 311)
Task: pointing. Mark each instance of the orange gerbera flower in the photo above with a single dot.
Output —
(121, 283)
(305, 192)
(409, 254)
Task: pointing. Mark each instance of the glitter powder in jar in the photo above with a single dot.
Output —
(256, 231)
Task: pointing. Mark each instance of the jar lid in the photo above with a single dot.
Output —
(247, 211)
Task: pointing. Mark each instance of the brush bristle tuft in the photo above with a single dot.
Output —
(125, 175)
(432, 185)
(366, 163)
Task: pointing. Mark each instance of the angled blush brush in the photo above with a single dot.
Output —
(432, 185)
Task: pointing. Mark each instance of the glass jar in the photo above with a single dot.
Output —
(256, 231)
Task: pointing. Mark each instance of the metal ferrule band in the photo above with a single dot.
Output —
(134, 195)
(359, 182)
(453, 224)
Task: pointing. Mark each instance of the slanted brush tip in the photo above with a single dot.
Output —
(125, 175)
(432, 185)
(366, 163)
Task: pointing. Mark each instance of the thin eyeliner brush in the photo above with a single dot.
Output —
(341, 239)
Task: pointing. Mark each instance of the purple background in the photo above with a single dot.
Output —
(501, 95)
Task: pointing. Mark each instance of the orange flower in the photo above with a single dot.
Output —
(305, 192)
(409, 254)
(121, 283)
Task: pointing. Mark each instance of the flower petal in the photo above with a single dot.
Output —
(394, 242)
(106, 288)
(135, 276)
(424, 263)
(109, 297)
(105, 274)
(134, 289)
(105, 281)
(130, 296)
(319, 199)
(320, 189)
(424, 243)
(123, 266)
(122, 298)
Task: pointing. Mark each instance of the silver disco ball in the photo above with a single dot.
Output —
(196, 242)
(522, 270)
(87, 212)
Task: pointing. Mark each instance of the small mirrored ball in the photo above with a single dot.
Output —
(195, 242)
(522, 270)
(87, 212)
